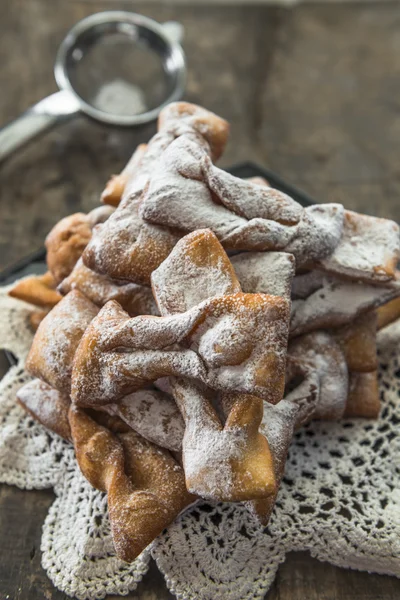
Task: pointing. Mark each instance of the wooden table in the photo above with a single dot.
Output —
(312, 92)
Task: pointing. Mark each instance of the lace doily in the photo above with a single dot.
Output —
(339, 499)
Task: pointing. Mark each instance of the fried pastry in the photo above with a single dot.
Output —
(116, 184)
(68, 239)
(358, 342)
(36, 317)
(235, 343)
(265, 272)
(322, 301)
(152, 414)
(135, 299)
(389, 312)
(39, 290)
(224, 460)
(213, 322)
(145, 486)
(187, 191)
(55, 342)
(128, 248)
(46, 405)
(363, 397)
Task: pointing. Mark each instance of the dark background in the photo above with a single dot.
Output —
(311, 92)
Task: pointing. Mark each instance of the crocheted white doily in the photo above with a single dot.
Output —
(340, 499)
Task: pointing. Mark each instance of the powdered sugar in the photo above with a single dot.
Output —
(152, 414)
(135, 299)
(369, 248)
(265, 272)
(323, 301)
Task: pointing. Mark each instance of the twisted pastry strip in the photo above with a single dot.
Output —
(40, 291)
(317, 388)
(145, 486)
(388, 313)
(46, 405)
(127, 247)
(68, 239)
(135, 299)
(152, 414)
(116, 184)
(323, 301)
(327, 378)
(56, 340)
(231, 341)
(186, 190)
(358, 343)
(235, 342)
(224, 460)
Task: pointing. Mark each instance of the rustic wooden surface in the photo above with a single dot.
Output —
(311, 92)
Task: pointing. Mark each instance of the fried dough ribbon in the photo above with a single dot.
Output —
(213, 336)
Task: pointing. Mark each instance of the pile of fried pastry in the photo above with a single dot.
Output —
(188, 326)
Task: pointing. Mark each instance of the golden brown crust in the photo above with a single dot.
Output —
(47, 406)
(69, 237)
(363, 398)
(117, 355)
(144, 484)
(116, 184)
(55, 342)
(358, 342)
(213, 128)
(135, 299)
(38, 290)
(388, 313)
(65, 244)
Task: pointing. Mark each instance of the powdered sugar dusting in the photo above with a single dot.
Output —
(152, 414)
(323, 301)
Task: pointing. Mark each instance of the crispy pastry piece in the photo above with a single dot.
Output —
(55, 342)
(245, 216)
(116, 184)
(227, 460)
(145, 486)
(127, 248)
(152, 414)
(231, 341)
(322, 363)
(68, 239)
(46, 405)
(265, 272)
(214, 129)
(322, 301)
(39, 290)
(234, 343)
(368, 249)
(389, 312)
(317, 384)
(358, 342)
(36, 317)
(135, 299)
(363, 398)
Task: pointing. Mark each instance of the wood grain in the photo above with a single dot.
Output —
(311, 92)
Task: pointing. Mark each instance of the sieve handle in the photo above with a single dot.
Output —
(36, 120)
